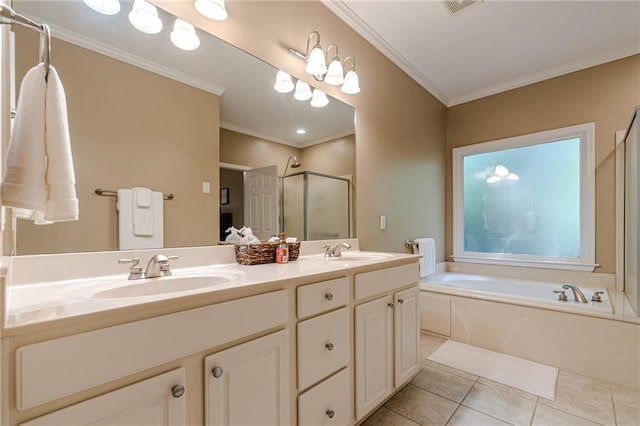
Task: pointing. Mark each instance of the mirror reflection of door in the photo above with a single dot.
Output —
(252, 199)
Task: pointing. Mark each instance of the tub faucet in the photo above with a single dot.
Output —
(336, 250)
(577, 294)
(158, 266)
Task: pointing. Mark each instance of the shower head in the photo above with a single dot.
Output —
(295, 164)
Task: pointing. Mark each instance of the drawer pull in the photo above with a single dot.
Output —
(217, 372)
(328, 296)
(330, 413)
(401, 301)
(177, 391)
(390, 305)
(329, 346)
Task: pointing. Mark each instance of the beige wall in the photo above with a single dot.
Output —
(604, 94)
(250, 151)
(400, 130)
(165, 137)
(336, 157)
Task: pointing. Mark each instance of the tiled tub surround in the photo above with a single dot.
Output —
(66, 350)
(594, 340)
(441, 395)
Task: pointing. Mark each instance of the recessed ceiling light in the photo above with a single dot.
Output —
(301, 131)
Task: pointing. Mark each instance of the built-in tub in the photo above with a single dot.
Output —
(524, 318)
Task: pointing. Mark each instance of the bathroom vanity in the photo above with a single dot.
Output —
(317, 341)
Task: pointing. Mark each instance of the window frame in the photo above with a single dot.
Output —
(586, 260)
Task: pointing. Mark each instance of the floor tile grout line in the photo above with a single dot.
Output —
(400, 414)
(453, 414)
(487, 414)
(533, 415)
(613, 405)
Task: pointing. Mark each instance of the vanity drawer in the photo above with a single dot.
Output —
(323, 346)
(50, 370)
(323, 296)
(384, 280)
(328, 403)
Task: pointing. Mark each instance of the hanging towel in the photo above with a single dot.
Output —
(39, 179)
(142, 212)
(427, 248)
(127, 237)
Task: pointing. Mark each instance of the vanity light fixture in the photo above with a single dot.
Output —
(316, 65)
(144, 17)
(303, 91)
(184, 35)
(284, 83)
(212, 9)
(319, 99)
(106, 7)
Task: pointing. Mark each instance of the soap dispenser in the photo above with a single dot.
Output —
(282, 251)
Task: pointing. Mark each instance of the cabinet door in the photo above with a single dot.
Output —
(374, 353)
(156, 401)
(406, 334)
(248, 384)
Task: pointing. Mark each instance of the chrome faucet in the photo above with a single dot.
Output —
(335, 250)
(577, 294)
(158, 266)
(135, 272)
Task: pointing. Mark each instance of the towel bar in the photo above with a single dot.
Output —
(108, 193)
(409, 243)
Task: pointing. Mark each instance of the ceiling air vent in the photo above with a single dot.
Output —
(455, 6)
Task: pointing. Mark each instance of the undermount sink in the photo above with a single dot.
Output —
(161, 285)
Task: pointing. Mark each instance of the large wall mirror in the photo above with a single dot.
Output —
(143, 113)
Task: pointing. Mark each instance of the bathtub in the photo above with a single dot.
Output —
(524, 318)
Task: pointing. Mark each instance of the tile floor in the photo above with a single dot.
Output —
(441, 395)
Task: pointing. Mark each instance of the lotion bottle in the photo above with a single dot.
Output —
(282, 251)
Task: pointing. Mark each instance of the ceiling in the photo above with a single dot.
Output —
(493, 46)
(248, 102)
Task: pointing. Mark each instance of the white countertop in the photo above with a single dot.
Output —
(43, 301)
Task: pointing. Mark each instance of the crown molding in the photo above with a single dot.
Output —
(301, 145)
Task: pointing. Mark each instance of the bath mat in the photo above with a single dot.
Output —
(518, 373)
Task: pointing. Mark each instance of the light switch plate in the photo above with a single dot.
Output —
(383, 222)
(206, 187)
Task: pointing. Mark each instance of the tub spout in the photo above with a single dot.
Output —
(577, 294)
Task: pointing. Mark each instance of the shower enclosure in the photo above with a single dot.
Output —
(632, 212)
(316, 206)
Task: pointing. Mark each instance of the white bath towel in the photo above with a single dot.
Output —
(39, 179)
(142, 212)
(127, 238)
(427, 248)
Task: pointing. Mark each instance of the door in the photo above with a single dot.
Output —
(261, 201)
(248, 384)
(157, 401)
(406, 334)
(374, 354)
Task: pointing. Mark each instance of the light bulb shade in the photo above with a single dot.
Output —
(184, 35)
(106, 7)
(316, 63)
(284, 83)
(351, 86)
(303, 91)
(212, 9)
(144, 17)
(335, 73)
(319, 99)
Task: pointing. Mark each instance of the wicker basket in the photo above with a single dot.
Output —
(258, 254)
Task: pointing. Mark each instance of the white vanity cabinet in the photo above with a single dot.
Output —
(387, 334)
(248, 384)
(159, 401)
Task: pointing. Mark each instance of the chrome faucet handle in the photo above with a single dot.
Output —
(562, 295)
(596, 296)
(158, 266)
(135, 272)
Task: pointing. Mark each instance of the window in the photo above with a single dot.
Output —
(527, 200)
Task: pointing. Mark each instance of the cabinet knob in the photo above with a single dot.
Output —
(328, 296)
(401, 301)
(217, 372)
(329, 346)
(390, 305)
(177, 391)
(330, 413)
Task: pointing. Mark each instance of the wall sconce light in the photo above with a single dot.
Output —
(106, 7)
(144, 17)
(212, 9)
(316, 65)
(303, 92)
(184, 35)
